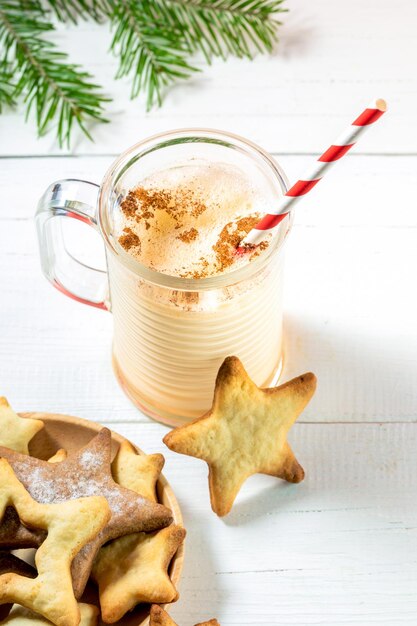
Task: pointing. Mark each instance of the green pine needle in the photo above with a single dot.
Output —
(153, 39)
(6, 86)
(54, 89)
(222, 27)
(150, 50)
(71, 10)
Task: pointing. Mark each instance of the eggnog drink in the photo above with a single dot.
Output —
(183, 222)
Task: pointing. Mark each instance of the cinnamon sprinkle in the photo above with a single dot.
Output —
(229, 238)
(141, 204)
(129, 239)
(198, 209)
(188, 235)
(129, 205)
(197, 273)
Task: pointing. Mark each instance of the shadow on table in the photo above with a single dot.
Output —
(199, 584)
(363, 375)
(277, 495)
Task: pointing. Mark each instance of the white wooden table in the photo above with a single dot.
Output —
(340, 548)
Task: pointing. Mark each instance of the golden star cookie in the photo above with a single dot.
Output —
(245, 432)
(159, 617)
(15, 431)
(19, 616)
(13, 534)
(134, 569)
(11, 563)
(84, 473)
(70, 526)
(60, 455)
(138, 472)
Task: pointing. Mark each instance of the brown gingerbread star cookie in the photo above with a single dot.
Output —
(87, 472)
(11, 563)
(69, 525)
(13, 535)
(245, 432)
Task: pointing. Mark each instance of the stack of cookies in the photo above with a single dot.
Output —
(90, 518)
(87, 518)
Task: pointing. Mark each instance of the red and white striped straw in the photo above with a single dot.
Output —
(343, 144)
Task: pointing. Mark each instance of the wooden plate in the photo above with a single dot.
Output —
(71, 433)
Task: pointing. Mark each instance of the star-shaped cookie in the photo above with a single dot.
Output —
(159, 617)
(11, 563)
(134, 569)
(245, 432)
(19, 616)
(15, 431)
(60, 455)
(70, 526)
(84, 473)
(138, 472)
(13, 534)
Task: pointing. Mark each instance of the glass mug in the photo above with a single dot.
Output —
(171, 334)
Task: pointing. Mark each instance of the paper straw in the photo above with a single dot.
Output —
(335, 152)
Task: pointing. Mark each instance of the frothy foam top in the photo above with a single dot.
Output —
(187, 220)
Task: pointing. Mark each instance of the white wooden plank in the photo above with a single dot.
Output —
(339, 548)
(331, 60)
(350, 317)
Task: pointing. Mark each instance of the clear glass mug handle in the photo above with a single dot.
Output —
(76, 199)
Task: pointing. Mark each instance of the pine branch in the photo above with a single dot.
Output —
(6, 86)
(223, 27)
(55, 89)
(151, 51)
(71, 10)
(153, 38)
